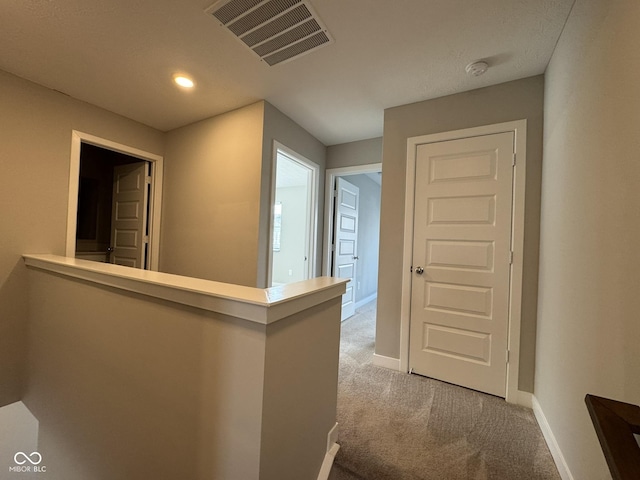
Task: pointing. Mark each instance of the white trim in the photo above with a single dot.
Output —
(550, 438)
(325, 469)
(386, 362)
(332, 450)
(315, 189)
(259, 305)
(524, 399)
(332, 436)
(519, 127)
(77, 138)
(366, 300)
(517, 247)
(330, 179)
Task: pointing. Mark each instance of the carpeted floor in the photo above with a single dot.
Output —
(395, 426)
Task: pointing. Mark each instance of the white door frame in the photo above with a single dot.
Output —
(331, 175)
(519, 128)
(155, 199)
(313, 224)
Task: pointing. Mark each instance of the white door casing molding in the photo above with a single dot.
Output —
(315, 188)
(155, 199)
(519, 128)
(330, 179)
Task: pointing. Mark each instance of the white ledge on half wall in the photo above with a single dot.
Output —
(260, 305)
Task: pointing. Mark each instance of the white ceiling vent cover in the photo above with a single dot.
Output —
(275, 30)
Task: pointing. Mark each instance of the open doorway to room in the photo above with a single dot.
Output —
(114, 203)
(293, 225)
(113, 207)
(352, 232)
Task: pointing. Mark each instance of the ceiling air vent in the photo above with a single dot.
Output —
(275, 30)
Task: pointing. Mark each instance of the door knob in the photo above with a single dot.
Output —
(419, 270)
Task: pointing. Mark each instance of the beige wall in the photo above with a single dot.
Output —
(363, 152)
(521, 99)
(278, 127)
(35, 149)
(588, 324)
(217, 193)
(211, 203)
(211, 226)
(127, 386)
(301, 392)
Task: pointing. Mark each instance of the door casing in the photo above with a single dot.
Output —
(519, 128)
(155, 199)
(313, 223)
(330, 180)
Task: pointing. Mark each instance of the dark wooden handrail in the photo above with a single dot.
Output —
(615, 424)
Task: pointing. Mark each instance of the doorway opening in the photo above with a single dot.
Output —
(113, 207)
(352, 231)
(293, 223)
(114, 203)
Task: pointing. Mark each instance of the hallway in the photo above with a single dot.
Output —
(395, 426)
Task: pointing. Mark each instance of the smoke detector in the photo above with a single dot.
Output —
(275, 30)
(477, 68)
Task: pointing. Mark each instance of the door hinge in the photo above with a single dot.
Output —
(513, 160)
(511, 257)
(148, 180)
(507, 356)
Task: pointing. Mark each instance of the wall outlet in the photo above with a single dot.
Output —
(290, 272)
(358, 285)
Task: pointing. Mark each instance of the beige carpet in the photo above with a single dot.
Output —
(395, 426)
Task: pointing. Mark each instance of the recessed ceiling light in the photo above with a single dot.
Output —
(183, 81)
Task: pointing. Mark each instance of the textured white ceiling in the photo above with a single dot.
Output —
(121, 54)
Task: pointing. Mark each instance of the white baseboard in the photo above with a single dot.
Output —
(366, 300)
(386, 362)
(524, 399)
(332, 437)
(554, 448)
(330, 456)
(332, 450)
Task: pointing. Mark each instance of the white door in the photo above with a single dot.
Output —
(461, 261)
(129, 238)
(346, 240)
